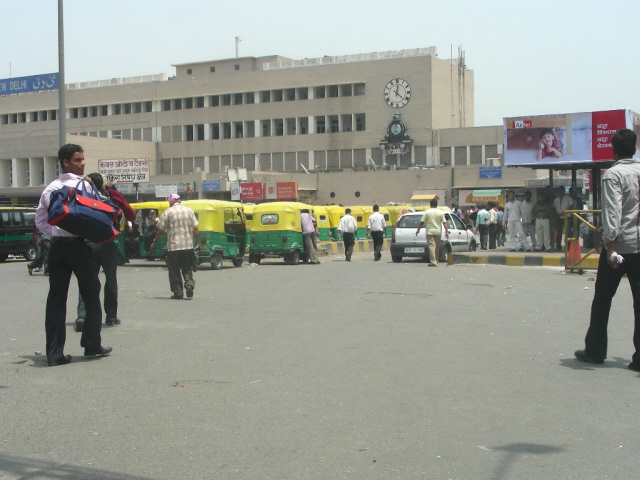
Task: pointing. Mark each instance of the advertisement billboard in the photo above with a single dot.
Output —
(125, 170)
(545, 140)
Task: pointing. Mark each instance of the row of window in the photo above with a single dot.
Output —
(229, 99)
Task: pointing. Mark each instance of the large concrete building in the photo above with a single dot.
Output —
(324, 122)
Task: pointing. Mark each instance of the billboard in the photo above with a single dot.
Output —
(125, 170)
(545, 140)
(34, 83)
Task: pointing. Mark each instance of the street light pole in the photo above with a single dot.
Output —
(62, 114)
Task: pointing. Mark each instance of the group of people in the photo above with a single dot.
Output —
(70, 254)
(537, 226)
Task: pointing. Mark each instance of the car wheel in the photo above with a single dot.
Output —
(396, 259)
(31, 253)
(216, 261)
(444, 253)
(3, 257)
(473, 246)
(237, 262)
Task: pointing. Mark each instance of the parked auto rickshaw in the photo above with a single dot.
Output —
(322, 221)
(336, 212)
(395, 211)
(277, 231)
(222, 231)
(143, 231)
(367, 211)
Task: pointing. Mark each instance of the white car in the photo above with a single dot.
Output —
(405, 242)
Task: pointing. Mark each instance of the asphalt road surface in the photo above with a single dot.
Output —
(361, 370)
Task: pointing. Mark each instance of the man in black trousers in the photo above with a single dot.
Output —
(69, 254)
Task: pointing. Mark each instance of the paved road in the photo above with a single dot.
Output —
(361, 370)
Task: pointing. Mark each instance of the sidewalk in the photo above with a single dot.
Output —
(499, 256)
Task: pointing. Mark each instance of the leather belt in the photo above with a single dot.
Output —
(67, 239)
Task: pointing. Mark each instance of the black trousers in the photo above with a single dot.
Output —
(378, 240)
(558, 224)
(483, 230)
(606, 286)
(67, 256)
(349, 241)
(105, 255)
(180, 261)
(493, 232)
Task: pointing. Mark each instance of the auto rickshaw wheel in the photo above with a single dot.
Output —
(216, 261)
(30, 253)
(237, 262)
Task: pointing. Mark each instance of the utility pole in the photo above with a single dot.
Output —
(62, 120)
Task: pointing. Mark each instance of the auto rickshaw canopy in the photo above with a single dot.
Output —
(484, 196)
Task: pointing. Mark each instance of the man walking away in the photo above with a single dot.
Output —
(621, 236)
(309, 231)
(375, 228)
(349, 229)
(483, 228)
(181, 226)
(434, 220)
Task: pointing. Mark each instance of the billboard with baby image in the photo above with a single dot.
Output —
(545, 140)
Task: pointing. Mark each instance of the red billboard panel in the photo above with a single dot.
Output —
(287, 190)
(252, 191)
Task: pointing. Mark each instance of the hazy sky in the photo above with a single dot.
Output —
(528, 58)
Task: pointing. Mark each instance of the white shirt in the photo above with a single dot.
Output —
(42, 212)
(348, 224)
(376, 222)
(527, 210)
(562, 205)
(513, 211)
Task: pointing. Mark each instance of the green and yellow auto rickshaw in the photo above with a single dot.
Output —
(137, 239)
(322, 222)
(276, 231)
(336, 212)
(222, 231)
(358, 212)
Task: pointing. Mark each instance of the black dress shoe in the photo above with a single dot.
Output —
(92, 352)
(112, 321)
(583, 357)
(189, 290)
(79, 325)
(62, 361)
(634, 366)
(175, 296)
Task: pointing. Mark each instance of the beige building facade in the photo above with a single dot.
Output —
(319, 121)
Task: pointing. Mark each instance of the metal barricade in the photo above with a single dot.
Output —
(573, 257)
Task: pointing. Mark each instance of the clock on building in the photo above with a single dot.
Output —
(397, 93)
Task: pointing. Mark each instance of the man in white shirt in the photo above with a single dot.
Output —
(349, 229)
(513, 219)
(561, 203)
(528, 219)
(69, 254)
(375, 228)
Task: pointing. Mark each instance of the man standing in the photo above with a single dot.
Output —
(105, 255)
(513, 219)
(528, 219)
(181, 226)
(434, 220)
(349, 229)
(492, 223)
(69, 254)
(375, 228)
(561, 203)
(621, 236)
(482, 219)
(309, 231)
(542, 212)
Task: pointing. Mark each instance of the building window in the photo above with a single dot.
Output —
(236, 66)
(104, 110)
(189, 71)
(117, 109)
(303, 93)
(304, 125)
(266, 128)
(34, 116)
(215, 131)
(177, 104)
(346, 90)
(277, 95)
(199, 132)
(358, 89)
(148, 106)
(237, 99)
(116, 134)
(43, 115)
(291, 94)
(199, 102)
(266, 96)
(226, 130)
(166, 105)
(333, 91)
(85, 112)
(188, 103)
(188, 133)
(215, 100)
(249, 97)
(320, 125)
(461, 155)
(476, 154)
(334, 122)
(127, 108)
(239, 130)
(226, 99)
(361, 124)
(74, 114)
(212, 69)
(137, 107)
(279, 126)
(54, 116)
(94, 111)
(320, 92)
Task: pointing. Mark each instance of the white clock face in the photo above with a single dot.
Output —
(397, 93)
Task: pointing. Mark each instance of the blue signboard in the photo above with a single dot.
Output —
(490, 172)
(211, 185)
(35, 83)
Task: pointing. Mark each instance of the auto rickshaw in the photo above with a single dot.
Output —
(222, 231)
(395, 211)
(322, 222)
(277, 231)
(366, 212)
(143, 231)
(336, 212)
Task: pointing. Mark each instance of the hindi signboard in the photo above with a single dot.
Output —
(545, 140)
(125, 170)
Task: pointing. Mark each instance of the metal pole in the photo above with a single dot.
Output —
(62, 114)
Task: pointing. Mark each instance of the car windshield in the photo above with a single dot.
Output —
(409, 221)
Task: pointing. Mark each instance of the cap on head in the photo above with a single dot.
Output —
(173, 198)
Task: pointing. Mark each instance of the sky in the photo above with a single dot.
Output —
(528, 58)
